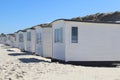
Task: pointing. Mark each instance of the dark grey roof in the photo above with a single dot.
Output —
(2, 34)
(21, 31)
(46, 25)
(43, 25)
(110, 22)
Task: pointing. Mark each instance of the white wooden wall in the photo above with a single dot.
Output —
(38, 46)
(59, 48)
(96, 42)
(47, 41)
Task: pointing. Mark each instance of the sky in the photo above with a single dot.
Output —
(20, 14)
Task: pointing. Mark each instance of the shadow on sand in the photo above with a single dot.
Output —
(32, 60)
(92, 63)
(5, 46)
(97, 64)
(10, 50)
(20, 54)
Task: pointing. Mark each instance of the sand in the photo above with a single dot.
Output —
(16, 65)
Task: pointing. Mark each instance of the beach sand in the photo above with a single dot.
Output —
(16, 65)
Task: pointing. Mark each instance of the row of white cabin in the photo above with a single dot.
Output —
(8, 39)
(69, 40)
(37, 39)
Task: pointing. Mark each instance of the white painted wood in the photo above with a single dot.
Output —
(59, 48)
(12, 41)
(47, 42)
(39, 49)
(30, 45)
(17, 40)
(96, 42)
(3, 39)
(44, 46)
(21, 45)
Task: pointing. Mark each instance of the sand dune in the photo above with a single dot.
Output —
(16, 65)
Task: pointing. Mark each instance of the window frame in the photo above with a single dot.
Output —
(38, 38)
(58, 35)
(74, 34)
(28, 36)
(21, 37)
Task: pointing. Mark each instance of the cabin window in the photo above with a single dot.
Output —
(58, 35)
(28, 36)
(15, 38)
(20, 37)
(74, 37)
(38, 38)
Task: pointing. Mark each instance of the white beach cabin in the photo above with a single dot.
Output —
(0, 39)
(44, 40)
(85, 41)
(16, 39)
(30, 40)
(8, 39)
(3, 39)
(11, 40)
(21, 39)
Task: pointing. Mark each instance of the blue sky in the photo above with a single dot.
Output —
(20, 14)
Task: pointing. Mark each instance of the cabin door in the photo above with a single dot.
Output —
(39, 44)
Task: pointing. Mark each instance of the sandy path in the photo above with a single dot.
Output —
(15, 65)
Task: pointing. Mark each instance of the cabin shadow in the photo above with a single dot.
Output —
(32, 60)
(10, 50)
(20, 54)
(5, 47)
(96, 64)
(92, 63)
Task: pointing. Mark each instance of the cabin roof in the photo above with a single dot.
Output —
(11, 35)
(3, 34)
(21, 31)
(46, 25)
(110, 22)
(43, 25)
